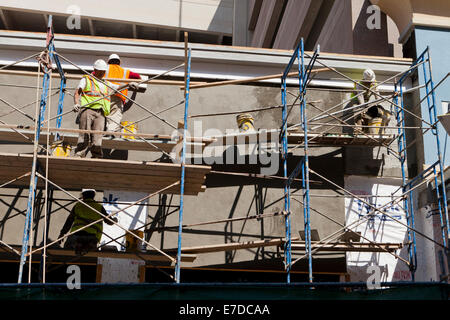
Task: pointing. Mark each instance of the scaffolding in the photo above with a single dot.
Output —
(409, 186)
(189, 177)
(183, 179)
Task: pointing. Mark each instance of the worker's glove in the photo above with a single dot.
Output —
(133, 85)
(76, 108)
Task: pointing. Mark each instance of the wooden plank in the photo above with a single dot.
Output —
(142, 274)
(154, 145)
(30, 130)
(119, 165)
(119, 255)
(295, 138)
(108, 182)
(299, 245)
(233, 246)
(349, 246)
(56, 252)
(190, 189)
(115, 177)
(154, 174)
(98, 275)
(101, 174)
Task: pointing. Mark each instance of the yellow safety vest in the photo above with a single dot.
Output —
(91, 93)
(353, 95)
(85, 215)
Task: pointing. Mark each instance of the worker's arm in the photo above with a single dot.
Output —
(134, 75)
(133, 85)
(359, 93)
(129, 102)
(77, 95)
(69, 221)
(108, 222)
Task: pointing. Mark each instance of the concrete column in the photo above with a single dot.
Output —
(297, 21)
(266, 26)
(336, 35)
(241, 36)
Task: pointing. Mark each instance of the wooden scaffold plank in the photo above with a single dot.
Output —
(101, 174)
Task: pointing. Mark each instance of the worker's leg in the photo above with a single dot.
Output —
(115, 117)
(88, 242)
(83, 138)
(71, 241)
(358, 124)
(98, 123)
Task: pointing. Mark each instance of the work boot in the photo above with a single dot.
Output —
(96, 152)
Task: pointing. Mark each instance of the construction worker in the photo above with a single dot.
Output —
(81, 215)
(92, 102)
(365, 91)
(118, 100)
(368, 82)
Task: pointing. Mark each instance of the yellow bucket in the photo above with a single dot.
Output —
(61, 150)
(375, 123)
(245, 122)
(129, 127)
(132, 243)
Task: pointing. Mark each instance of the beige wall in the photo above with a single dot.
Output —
(201, 15)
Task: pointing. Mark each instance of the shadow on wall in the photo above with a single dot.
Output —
(9, 212)
(223, 10)
(245, 172)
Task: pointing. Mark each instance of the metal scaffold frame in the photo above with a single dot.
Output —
(304, 75)
(46, 60)
(409, 186)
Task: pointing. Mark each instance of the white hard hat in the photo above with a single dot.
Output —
(369, 75)
(114, 56)
(100, 65)
(88, 190)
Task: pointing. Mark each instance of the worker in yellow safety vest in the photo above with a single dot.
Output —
(118, 101)
(93, 103)
(365, 91)
(81, 215)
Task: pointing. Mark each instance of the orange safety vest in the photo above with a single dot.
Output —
(117, 72)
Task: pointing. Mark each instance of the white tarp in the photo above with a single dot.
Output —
(132, 218)
(433, 262)
(376, 227)
(122, 270)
